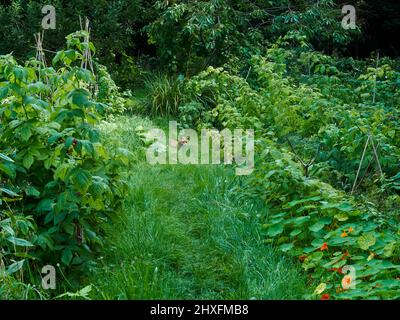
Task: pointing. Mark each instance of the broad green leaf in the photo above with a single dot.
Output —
(32, 191)
(295, 232)
(389, 249)
(286, 247)
(275, 230)
(28, 160)
(366, 240)
(316, 227)
(19, 242)
(3, 92)
(66, 256)
(81, 180)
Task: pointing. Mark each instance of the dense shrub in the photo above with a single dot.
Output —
(218, 99)
(327, 110)
(184, 36)
(59, 183)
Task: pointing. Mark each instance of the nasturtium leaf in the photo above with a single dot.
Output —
(274, 230)
(300, 220)
(295, 232)
(389, 249)
(341, 217)
(308, 249)
(296, 202)
(286, 247)
(366, 240)
(317, 242)
(320, 288)
(316, 227)
(316, 256)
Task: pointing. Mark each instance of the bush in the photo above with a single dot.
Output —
(59, 183)
(218, 99)
(163, 95)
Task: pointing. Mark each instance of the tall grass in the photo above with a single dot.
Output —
(163, 95)
(185, 234)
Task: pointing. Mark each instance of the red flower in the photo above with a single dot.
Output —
(346, 254)
(325, 296)
(324, 247)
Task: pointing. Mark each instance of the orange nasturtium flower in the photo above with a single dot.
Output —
(346, 282)
(343, 235)
(324, 247)
(351, 229)
(325, 296)
(338, 270)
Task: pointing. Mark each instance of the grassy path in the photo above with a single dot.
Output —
(184, 234)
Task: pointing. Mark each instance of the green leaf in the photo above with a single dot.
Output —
(28, 160)
(25, 132)
(295, 232)
(14, 267)
(366, 240)
(62, 171)
(32, 191)
(345, 207)
(275, 230)
(19, 242)
(80, 97)
(66, 256)
(87, 146)
(9, 192)
(300, 220)
(286, 247)
(6, 158)
(341, 217)
(3, 92)
(317, 226)
(389, 249)
(8, 168)
(296, 202)
(81, 180)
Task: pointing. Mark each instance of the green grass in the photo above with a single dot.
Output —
(185, 234)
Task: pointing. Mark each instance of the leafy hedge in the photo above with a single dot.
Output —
(329, 105)
(59, 184)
